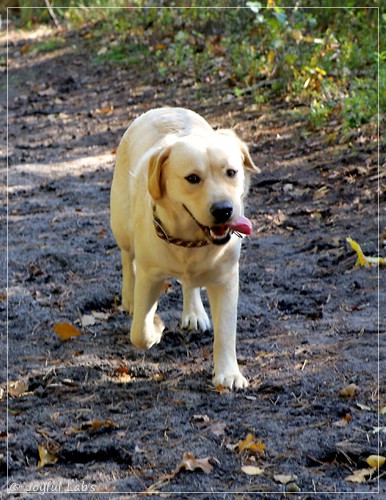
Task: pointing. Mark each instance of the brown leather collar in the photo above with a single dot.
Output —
(161, 233)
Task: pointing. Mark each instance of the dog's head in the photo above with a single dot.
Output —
(206, 175)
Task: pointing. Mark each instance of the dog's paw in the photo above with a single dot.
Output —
(230, 380)
(146, 338)
(194, 321)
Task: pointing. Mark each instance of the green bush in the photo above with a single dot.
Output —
(326, 58)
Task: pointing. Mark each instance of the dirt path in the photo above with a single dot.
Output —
(111, 419)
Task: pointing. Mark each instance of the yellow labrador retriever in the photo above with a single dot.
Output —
(177, 211)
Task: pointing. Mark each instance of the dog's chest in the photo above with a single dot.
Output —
(200, 267)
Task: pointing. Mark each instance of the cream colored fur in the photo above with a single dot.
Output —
(156, 154)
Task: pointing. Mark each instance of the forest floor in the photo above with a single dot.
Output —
(93, 414)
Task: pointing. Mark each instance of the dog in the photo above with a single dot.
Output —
(177, 211)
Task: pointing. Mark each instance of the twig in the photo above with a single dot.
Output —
(52, 13)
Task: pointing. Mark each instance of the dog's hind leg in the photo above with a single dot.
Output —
(193, 315)
(128, 280)
(147, 327)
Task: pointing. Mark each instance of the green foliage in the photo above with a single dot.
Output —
(325, 57)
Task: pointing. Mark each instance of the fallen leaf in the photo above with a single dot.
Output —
(17, 388)
(105, 110)
(376, 461)
(25, 48)
(343, 421)
(166, 286)
(363, 407)
(321, 192)
(360, 476)
(102, 316)
(218, 428)
(285, 478)
(201, 419)
(250, 444)
(45, 456)
(252, 470)
(363, 260)
(66, 331)
(190, 463)
(95, 425)
(349, 391)
(383, 411)
(48, 92)
(377, 430)
(87, 320)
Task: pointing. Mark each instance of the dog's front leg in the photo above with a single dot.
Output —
(223, 302)
(147, 327)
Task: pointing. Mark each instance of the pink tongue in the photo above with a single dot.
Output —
(241, 225)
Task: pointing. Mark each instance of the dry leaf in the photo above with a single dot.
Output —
(343, 421)
(45, 456)
(376, 461)
(363, 407)
(285, 478)
(252, 470)
(218, 428)
(190, 462)
(66, 331)
(383, 411)
(349, 391)
(102, 316)
(165, 287)
(96, 425)
(321, 192)
(360, 476)
(16, 389)
(87, 320)
(25, 48)
(250, 444)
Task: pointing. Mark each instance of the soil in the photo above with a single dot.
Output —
(93, 414)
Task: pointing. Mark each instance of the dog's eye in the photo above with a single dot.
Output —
(193, 179)
(231, 172)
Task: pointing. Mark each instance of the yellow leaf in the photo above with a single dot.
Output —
(356, 247)
(375, 461)
(251, 444)
(66, 331)
(46, 458)
(362, 259)
(360, 476)
(252, 470)
(106, 109)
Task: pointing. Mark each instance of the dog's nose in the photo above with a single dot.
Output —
(222, 211)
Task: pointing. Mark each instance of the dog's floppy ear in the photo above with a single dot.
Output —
(248, 162)
(156, 164)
